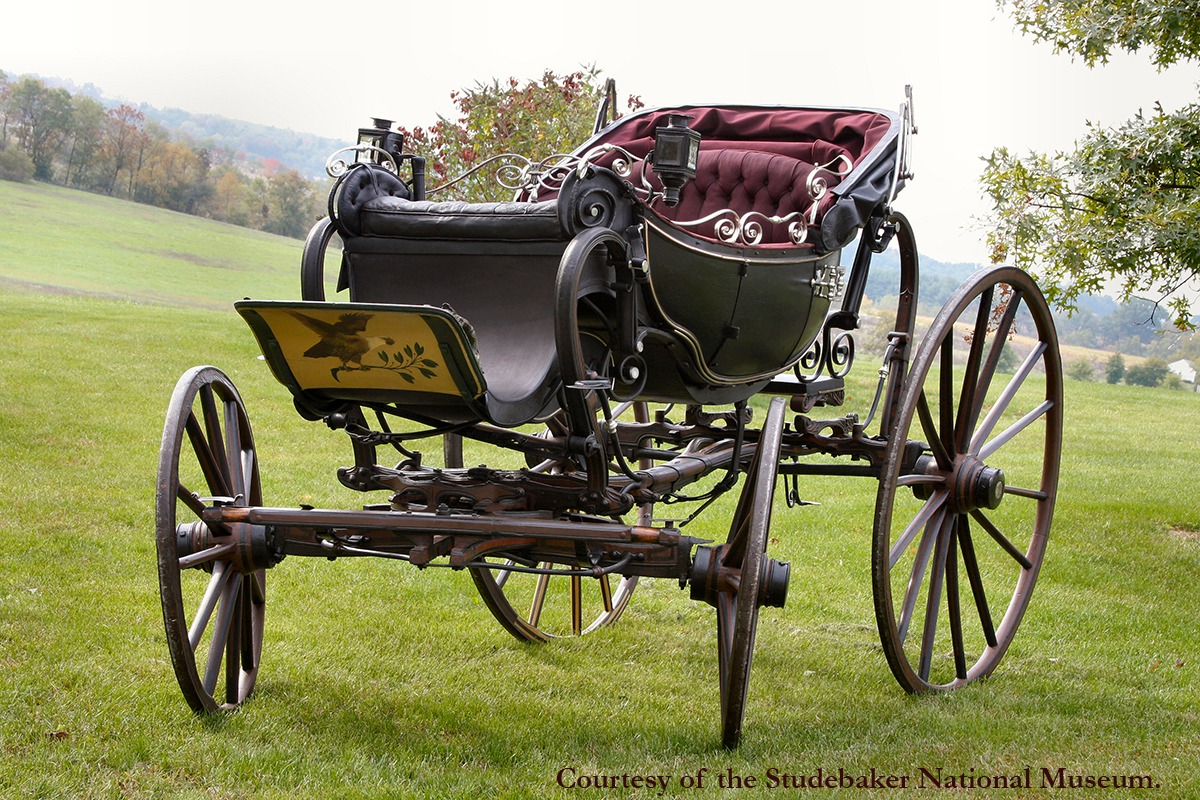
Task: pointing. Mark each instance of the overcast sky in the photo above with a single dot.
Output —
(326, 68)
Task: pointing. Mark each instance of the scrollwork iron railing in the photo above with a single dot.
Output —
(529, 179)
(337, 166)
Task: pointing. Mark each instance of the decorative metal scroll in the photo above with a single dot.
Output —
(829, 355)
(747, 229)
(528, 179)
(336, 165)
(518, 174)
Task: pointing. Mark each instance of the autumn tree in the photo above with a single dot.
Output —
(533, 119)
(40, 118)
(4, 92)
(291, 204)
(123, 137)
(88, 121)
(1123, 208)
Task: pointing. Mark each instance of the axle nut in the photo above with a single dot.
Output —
(772, 592)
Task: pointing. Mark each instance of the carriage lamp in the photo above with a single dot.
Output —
(676, 148)
(381, 137)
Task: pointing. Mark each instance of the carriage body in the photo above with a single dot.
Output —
(551, 321)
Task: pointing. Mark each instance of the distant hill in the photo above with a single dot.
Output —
(305, 152)
(244, 141)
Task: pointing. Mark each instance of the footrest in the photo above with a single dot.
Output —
(369, 352)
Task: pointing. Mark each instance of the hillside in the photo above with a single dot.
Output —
(68, 241)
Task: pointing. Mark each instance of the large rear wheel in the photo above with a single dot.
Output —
(967, 493)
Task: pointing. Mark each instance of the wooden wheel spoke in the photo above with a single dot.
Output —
(539, 598)
(213, 469)
(248, 659)
(917, 576)
(258, 588)
(576, 605)
(236, 458)
(220, 636)
(953, 608)
(933, 601)
(190, 499)
(249, 470)
(1002, 540)
(1003, 327)
(976, 580)
(921, 520)
(206, 555)
(1008, 433)
(233, 647)
(946, 395)
(212, 425)
(932, 437)
(726, 618)
(983, 318)
(216, 585)
(1010, 391)
(739, 529)
(606, 595)
(1033, 494)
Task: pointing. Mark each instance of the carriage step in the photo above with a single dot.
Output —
(807, 395)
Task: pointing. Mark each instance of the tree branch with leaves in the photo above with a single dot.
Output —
(1121, 210)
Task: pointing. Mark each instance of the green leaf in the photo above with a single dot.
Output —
(407, 377)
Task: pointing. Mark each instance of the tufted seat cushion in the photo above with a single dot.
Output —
(370, 201)
(749, 180)
(449, 221)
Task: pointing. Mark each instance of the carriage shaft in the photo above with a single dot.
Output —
(463, 540)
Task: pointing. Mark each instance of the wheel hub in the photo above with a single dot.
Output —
(971, 482)
(710, 576)
(978, 485)
(252, 546)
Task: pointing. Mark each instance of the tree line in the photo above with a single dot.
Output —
(51, 135)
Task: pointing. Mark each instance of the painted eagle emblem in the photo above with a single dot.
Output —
(346, 340)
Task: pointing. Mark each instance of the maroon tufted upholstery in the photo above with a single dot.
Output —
(745, 181)
(754, 158)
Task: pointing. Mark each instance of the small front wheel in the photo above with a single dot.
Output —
(212, 585)
(738, 578)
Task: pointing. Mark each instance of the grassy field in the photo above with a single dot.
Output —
(382, 681)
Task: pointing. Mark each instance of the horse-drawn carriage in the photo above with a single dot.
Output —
(634, 322)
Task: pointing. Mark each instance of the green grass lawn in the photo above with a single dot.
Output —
(379, 680)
